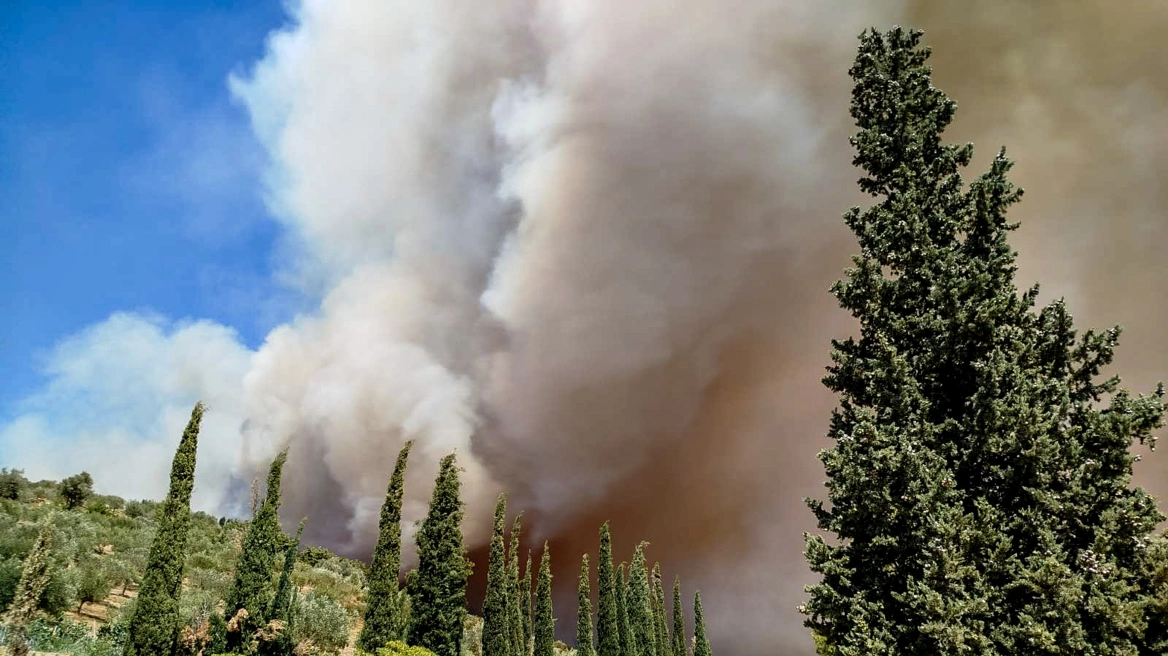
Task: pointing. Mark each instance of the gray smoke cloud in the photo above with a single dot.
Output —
(587, 245)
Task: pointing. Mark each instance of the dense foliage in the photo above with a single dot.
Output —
(154, 627)
(979, 480)
(439, 595)
(383, 617)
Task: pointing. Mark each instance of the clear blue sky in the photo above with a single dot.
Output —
(129, 179)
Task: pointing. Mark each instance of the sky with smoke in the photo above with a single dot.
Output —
(587, 245)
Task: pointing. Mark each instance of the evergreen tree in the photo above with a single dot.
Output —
(153, 628)
(278, 616)
(544, 627)
(281, 602)
(383, 613)
(679, 640)
(608, 642)
(979, 480)
(525, 604)
(496, 627)
(514, 616)
(624, 624)
(584, 613)
(701, 643)
(639, 607)
(660, 632)
(34, 577)
(253, 570)
(438, 598)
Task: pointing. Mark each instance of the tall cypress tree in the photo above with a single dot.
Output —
(34, 577)
(639, 607)
(624, 624)
(496, 628)
(525, 604)
(383, 612)
(153, 628)
(660, 632)
(979, 480)
(584, 613)
(281, 602)
(280, 607)
(253, 570)
(514, 617)
(608, 642)
(544, 627)
(701, 642)
(679, 639)
(438, 599)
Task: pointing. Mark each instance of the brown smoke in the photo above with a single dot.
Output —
(588, 245)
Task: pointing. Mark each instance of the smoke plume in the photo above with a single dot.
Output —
(587, 245)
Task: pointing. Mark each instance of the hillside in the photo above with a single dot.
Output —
(98, 555)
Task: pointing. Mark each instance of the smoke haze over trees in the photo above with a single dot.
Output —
(589, 248)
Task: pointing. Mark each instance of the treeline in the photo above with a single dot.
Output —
(427, 615)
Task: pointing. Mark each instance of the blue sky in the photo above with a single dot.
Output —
(130, 178)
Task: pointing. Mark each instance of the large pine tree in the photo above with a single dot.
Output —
(639, 606)
(979, 480)
(250, 591)
(496, 626)
(608, 641)
(544, 626)
(584, 613)
(383, 612)
(438, 596)
(153, 628)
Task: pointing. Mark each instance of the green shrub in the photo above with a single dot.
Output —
(399, 648)
(59, 592)
(12, 483)
(144, 509)
(9, 577)
(321, 620)
(93, 584)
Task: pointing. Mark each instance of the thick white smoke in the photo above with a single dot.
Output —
(587, 245)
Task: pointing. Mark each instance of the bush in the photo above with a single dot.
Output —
(59, 592)
(12, 483)
(93, 584)
(314, 556)
(9, 577)
(321, 620)
(399, 648)
(144, 509)
(75, 490)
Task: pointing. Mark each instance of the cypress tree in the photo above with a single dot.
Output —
(383, 613)
(525, 605)
(34, 576)
(624, 624)
(438, 598)
(584, 613)
(544, 627)
(496, 627)
(639, 606)
(679, 639)
(979, 477)
(608, 642)
(153, 628)
(514, 616)
(660, 632)
(701, 643)
(253, 570)
(278, 610)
